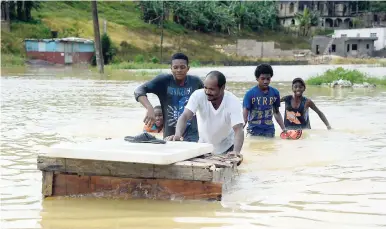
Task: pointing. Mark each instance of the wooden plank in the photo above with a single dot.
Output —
(217, 163)
(185, 170)
(224, 158)
(51, 164)
(59, 185)
(132, 188)
(47, 183)
(223, 175)
(109, 168)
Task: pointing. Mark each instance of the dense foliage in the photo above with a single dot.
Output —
(212, 16)
(354, 76)
(20, 10)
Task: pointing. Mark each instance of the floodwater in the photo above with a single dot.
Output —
(328, 179)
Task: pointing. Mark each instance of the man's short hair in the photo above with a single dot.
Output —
(263, 69)
(180, 56)
(221, 80)
(158, 107)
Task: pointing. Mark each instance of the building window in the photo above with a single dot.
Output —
(354, 47)
(281, 6)
(291, 8)
(373, 34)
(348, 47)
(293, 22)
(343, 35)
(333, 48)
(367, 46)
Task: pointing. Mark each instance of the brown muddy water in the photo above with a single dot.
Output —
(328, 179)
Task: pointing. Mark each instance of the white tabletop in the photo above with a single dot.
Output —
(120, 150)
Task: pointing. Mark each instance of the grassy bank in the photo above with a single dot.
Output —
(130, 35)
(9, 60)
(381, 62)
(353, 76)
(133, 38)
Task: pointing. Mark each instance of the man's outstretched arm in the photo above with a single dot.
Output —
(154, 86)
(181, 125)
(239, 137)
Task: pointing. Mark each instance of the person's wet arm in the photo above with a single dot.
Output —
(181, 123)
(239, 137)
(237, 122)
(276, 112)
(246, 107)
(154, 86)
(245, 116)
(321, 115)
(189, 111)
(278, 117)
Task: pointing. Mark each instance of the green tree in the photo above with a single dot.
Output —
(108, 51)
(304, 19)
(21, 10)
(378, 6)
(213, 16)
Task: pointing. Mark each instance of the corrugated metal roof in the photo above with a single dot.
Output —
(73, 39)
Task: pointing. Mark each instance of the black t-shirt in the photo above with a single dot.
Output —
(296, 118)
(173, 99)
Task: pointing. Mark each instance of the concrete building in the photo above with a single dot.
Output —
(380, 33)
(258, 49)
(343, 46)
(69, 50)
(332, 14)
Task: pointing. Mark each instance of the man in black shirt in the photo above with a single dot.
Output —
(173, 91)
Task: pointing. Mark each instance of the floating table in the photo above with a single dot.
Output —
(119, 169)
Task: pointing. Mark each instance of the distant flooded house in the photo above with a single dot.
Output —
(70, 50)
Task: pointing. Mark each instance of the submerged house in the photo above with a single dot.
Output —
(70, 50)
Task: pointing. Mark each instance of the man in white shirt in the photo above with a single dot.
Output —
(219, 116)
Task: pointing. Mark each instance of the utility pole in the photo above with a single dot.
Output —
(98, 46)
(104, 26)
(7, 15)
(162, 28)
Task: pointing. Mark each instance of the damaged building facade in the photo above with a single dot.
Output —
(332, 14)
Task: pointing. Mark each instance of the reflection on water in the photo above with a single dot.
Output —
(328, 179)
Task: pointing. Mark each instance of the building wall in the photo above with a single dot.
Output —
(361, 48)
(53, 57)
(82, 47)
(380, 33)
(341, 46)
(82, 57)
(58, 58)
(253, 48)
(284, 8)
(322, 42)
(380, 53)
(55, 52)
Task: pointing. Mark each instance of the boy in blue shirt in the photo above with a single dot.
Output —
(261, 103)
